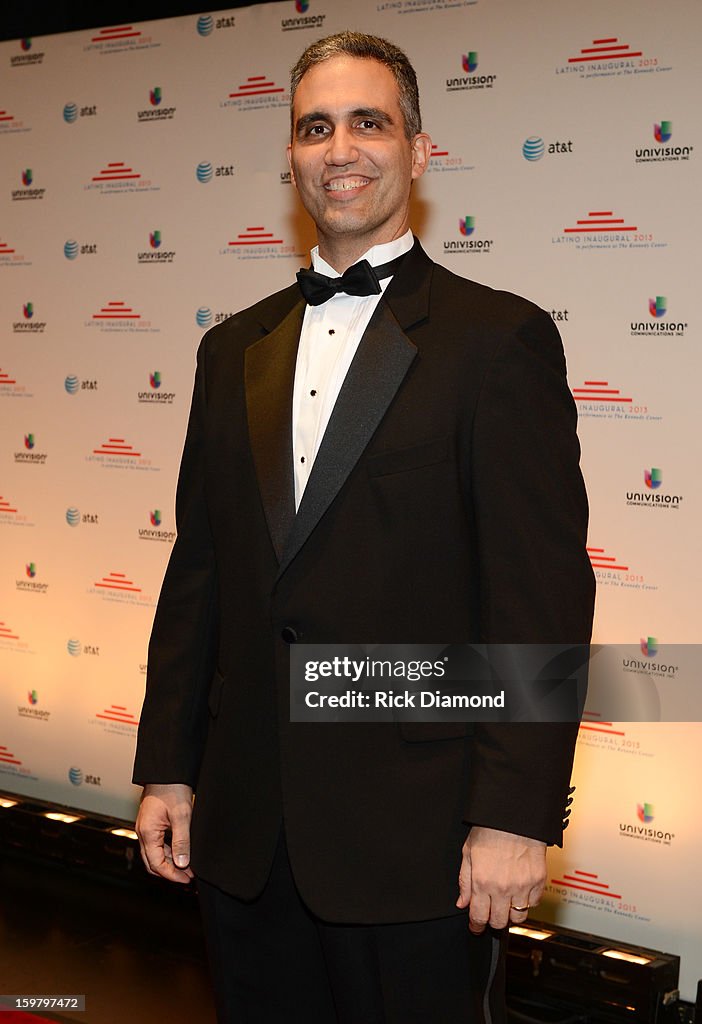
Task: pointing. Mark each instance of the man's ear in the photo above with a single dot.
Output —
(288, 153)
(421, 153)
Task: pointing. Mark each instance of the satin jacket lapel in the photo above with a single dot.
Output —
(377, 371)
(270, 375)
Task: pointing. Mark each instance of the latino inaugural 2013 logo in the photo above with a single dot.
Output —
(256, 243)
(30, 323)
(27, 192)
(118, 453)
(587, 889)
(121, 588)
(155, 111)
(599, 399)
(119, 178)
(11, 763)
(467, 242)
(606, 230)
(653, 495)
(609, 57)
(469, 80)
(120, 39)
(155, 254)
(117, 317)
(256, 93)
(657, 325)
(11, 387)
(421, 6)
(611, 571)
(302, 19)
(442, 160)
(12, 125)
(659, 151)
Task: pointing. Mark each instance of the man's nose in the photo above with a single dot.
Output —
(342, 148)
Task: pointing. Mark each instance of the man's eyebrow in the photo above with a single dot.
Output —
(372, 113)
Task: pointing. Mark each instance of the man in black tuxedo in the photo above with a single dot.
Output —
(393, 461)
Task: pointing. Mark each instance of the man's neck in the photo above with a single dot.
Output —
(341, 253)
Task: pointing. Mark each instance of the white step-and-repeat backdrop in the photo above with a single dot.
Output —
(144, 196)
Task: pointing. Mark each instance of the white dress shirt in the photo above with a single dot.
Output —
(331, 333)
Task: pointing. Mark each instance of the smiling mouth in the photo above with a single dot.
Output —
(345, 184)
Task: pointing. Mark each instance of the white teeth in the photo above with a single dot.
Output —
(344, 184)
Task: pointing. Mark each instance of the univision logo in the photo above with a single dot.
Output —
(653, 478)
(70, 249)
(155, 95)
(32, 697)
(644, 812)
(649, 646)
(469, 61)
(301, 6)
(155, 379)
(663, 132)
(205, 25)
(155, 517)
(26, 44)
(73, 647)
(75, 775)
(154, 239)
(70, 113)
(29, 441)
(533, 148)
(203, 317)
(28, 310)
(31, 569)
(204, 172)
(658, 307)
(72, 384)
(466, 225)
(27, 177)
(73, 516)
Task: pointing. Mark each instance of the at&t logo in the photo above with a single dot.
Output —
(203, 317)
(71, 112)
(534, 148)
(77, 777)
(71, 249)
(206, 24)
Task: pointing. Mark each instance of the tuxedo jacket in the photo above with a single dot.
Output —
(445, 505)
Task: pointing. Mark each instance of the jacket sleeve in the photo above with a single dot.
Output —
(536, 582)
(183, 644)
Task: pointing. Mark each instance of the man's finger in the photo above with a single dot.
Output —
(479, 913)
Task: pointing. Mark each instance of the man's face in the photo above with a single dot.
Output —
(351, 161)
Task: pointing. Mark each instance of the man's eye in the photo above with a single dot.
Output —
(317, 129)
(367, 123)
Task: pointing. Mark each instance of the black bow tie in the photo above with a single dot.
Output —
(360, 279)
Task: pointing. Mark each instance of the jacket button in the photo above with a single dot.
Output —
(289, 635)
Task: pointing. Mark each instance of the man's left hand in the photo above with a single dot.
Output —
(500, 871)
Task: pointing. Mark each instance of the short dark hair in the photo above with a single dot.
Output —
(358, 44)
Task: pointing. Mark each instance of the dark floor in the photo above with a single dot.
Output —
(135, 952)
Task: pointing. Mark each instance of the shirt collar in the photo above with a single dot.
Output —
(376, 255)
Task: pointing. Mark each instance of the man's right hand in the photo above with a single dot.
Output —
(163, 808)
